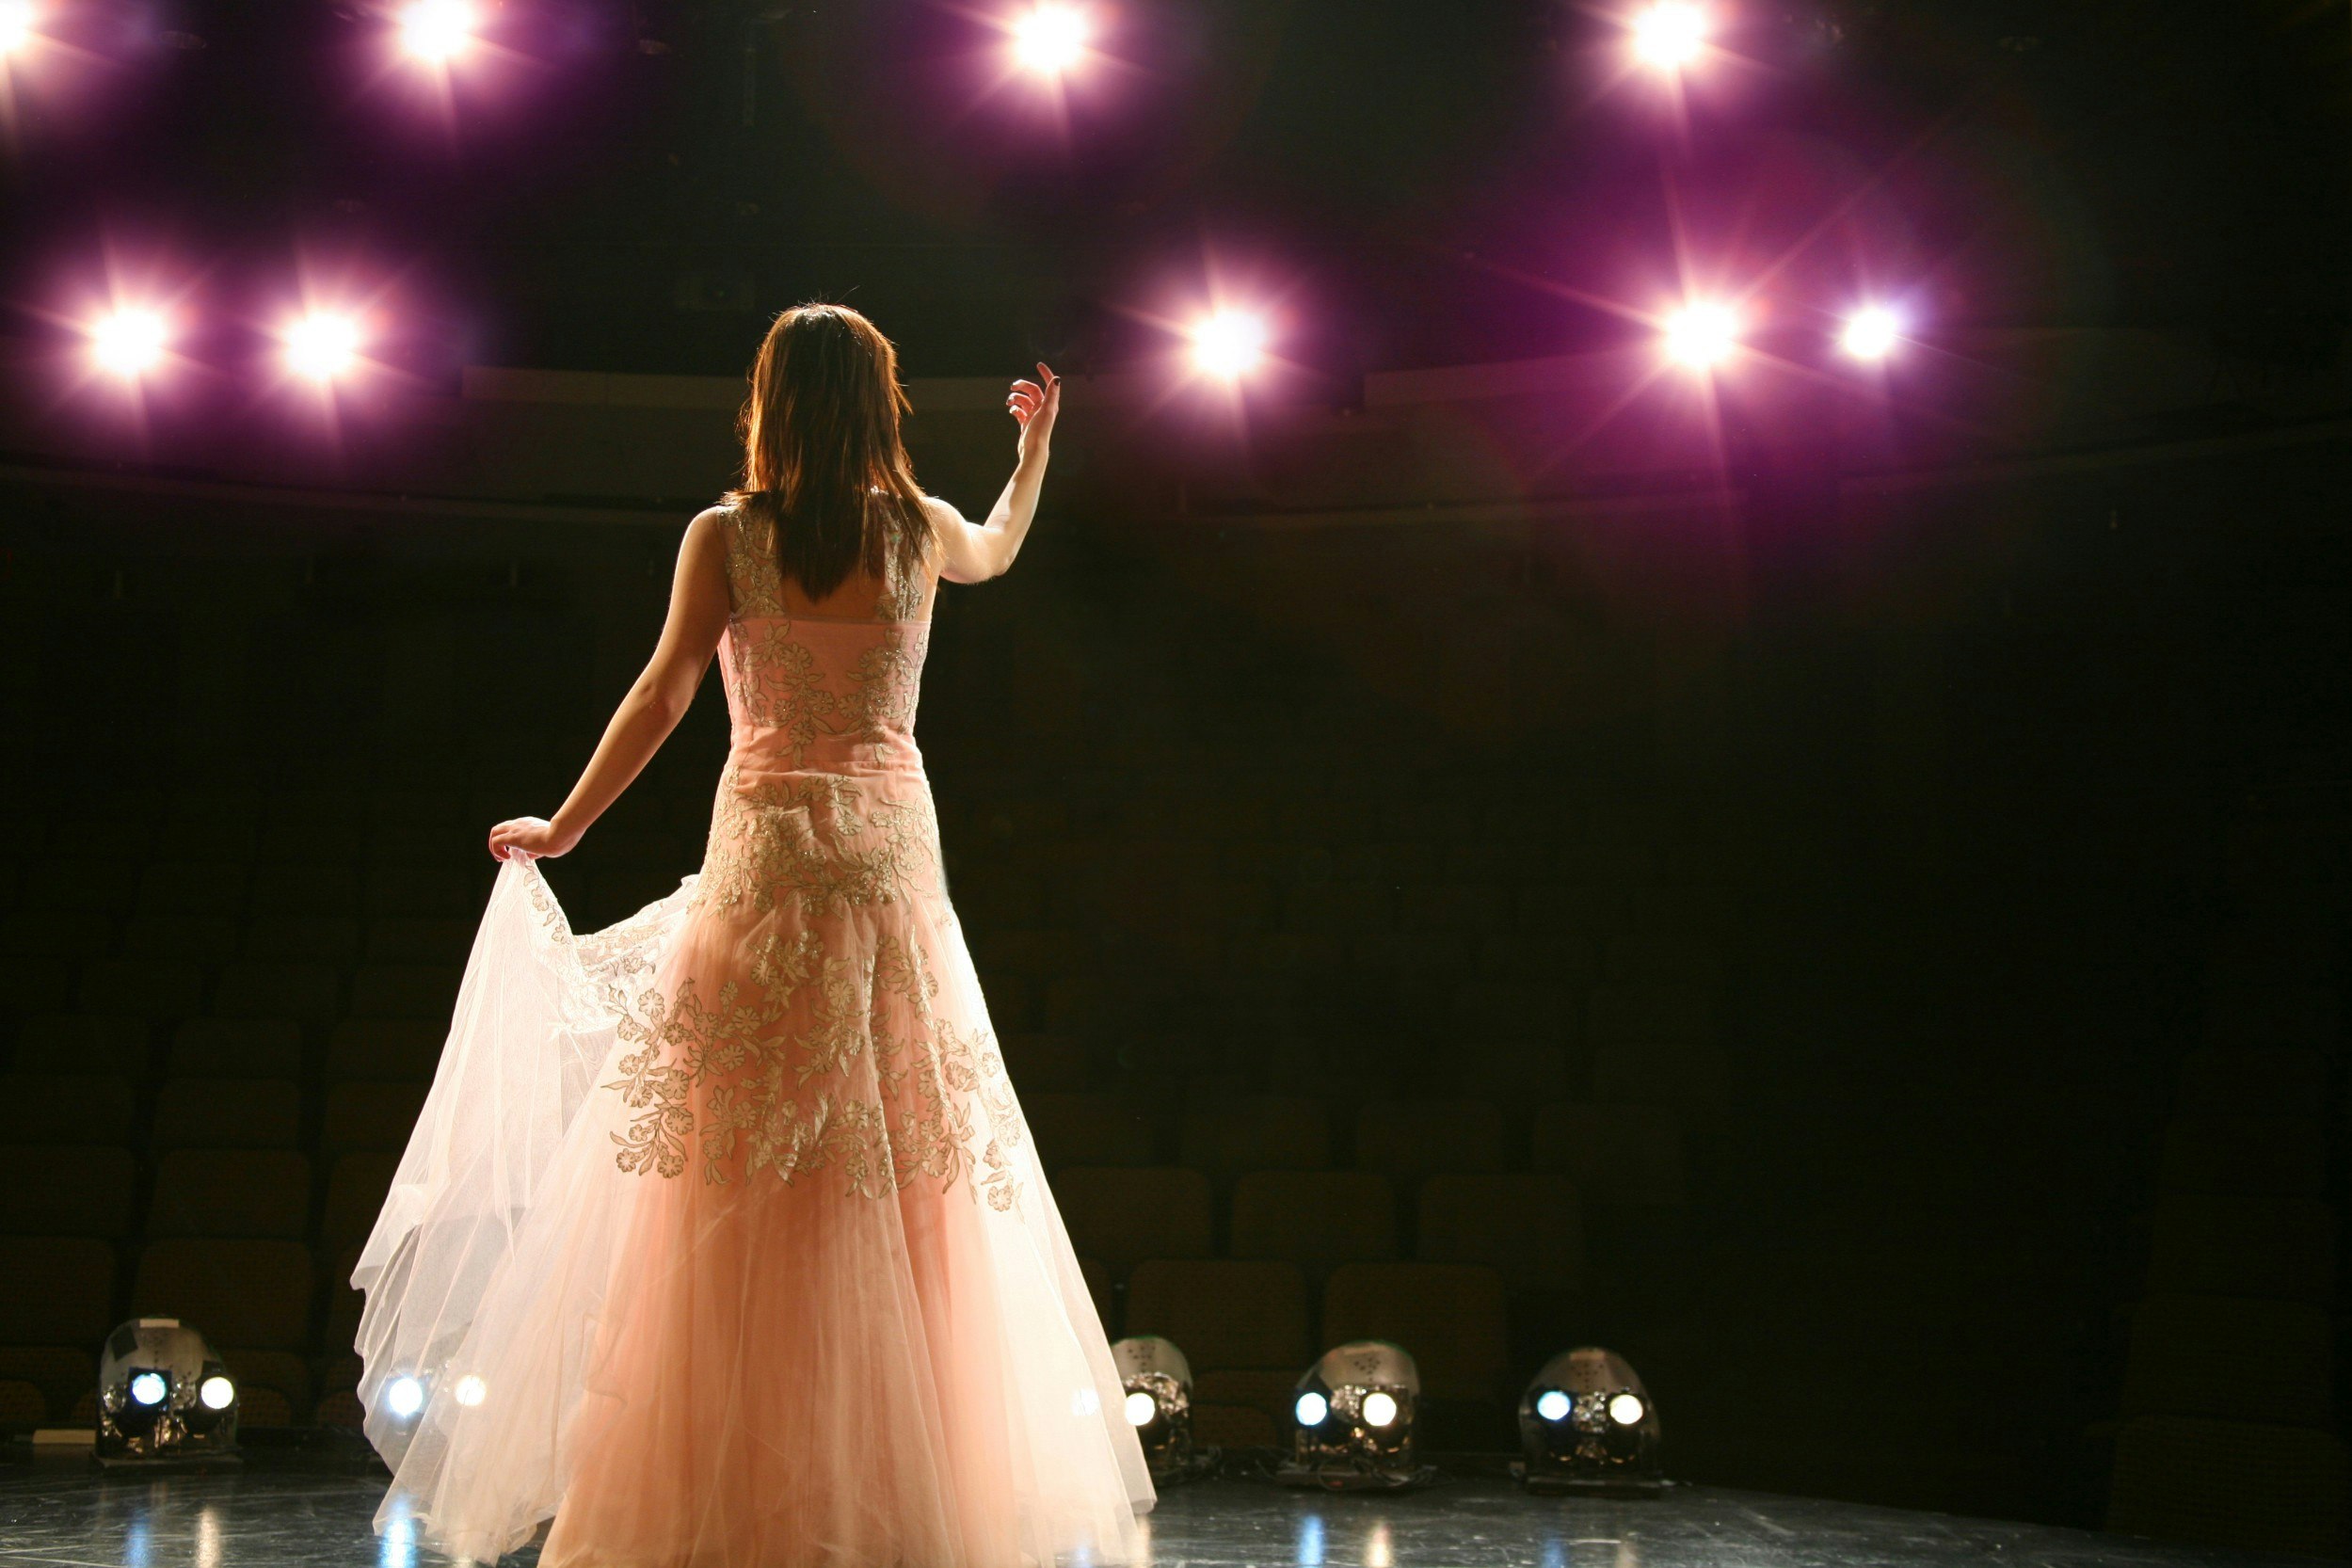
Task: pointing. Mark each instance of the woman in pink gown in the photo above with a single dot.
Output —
(721, 1239)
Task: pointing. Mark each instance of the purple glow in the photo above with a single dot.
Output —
(129, 342)
(1228, 344)
(1702, 335)
(1872, 333)
(1050, 39)
(20, 25)
(436, 32)
(322, 345)
(1670, 35)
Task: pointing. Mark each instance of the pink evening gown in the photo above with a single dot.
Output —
(720, 1240)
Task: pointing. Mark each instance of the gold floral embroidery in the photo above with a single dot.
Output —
(885, 685)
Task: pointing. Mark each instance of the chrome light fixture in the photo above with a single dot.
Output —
(1588, 1424)
(1159, 1384)
(1352, 1419)
(164, 1397)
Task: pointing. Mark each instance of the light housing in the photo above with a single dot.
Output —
(1158, 1378)
(1588, 1424)
(164, 1397)
(1353, 1420)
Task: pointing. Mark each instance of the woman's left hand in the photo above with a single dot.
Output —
(529, 839)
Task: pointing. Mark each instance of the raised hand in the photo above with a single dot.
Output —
(1034, 406)
(529, 839)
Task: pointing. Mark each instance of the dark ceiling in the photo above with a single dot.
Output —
(638, 187)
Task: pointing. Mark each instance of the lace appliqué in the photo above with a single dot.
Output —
(814, 842)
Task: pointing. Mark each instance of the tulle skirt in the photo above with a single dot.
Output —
(721, 1242)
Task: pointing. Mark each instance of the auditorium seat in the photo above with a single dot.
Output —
(2252, 1017)
(60, 1290)
(2276, 1082)
(405, 991)
(1448, 1316)
(73, 1108)
(374, 1117)
(400, 1049)
(1689, 1076)
(1122, 1216)
(1632, 1015)
(2234, 1245)
(343, 1304)
(416, 939)
(1409, 1140)
(1513, 1011)
(294, 890)
(2277, 1156)
(1615, 1154)
(433, 890)
(1099, 1129)
(327, 939)
(211, 827)
(80, 1043)
(22, 1404)
(66, 935)
(199, 939)
(228, 1113)
(304, 993)
(62, 1373)
(1316, 1219)
(246, 1194)
(273, 1386)
(1256, 1132)
(235, 1293)
(1043, 1062)
(1224, 1314)
(66, 1190)
(1231, 1425)
(1514, 1074)
(237, 1048)
(150, 988)
(101, 883)
(355, 1195)
(1526, 1226)
(1102, 1286)
(213, 888)
(2231, 1358)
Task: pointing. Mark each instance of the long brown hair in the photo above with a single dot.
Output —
(823, 467)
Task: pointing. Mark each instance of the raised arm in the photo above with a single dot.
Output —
(975, 551)
(653, 706)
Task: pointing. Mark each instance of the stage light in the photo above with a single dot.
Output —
(469, 1390)
(1159, 1384)
(163, 1396)
(1587, 1424)
(1229, 343)
(322, 347)
(17, 20)
(1050, 39)
(129, 343)
(1670, 35)
(436, 31)
(1702, 335)
(403, 1396)
(1871, 333)
(1353, 1415)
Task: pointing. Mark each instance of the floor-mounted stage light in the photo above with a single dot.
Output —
(1587, 1424)
(1159, 1384)
(164, 1396)
(1351, 1420)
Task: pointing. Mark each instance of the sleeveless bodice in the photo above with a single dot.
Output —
(817, 693)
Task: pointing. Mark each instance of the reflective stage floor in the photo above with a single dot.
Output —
(308, 1515)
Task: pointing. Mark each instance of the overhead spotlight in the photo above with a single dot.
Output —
(322, 347)
(1159, 1384)
(1670, 35)
(129, 343)
(436, 31)
(403, 1396)
(164, 1397)
(1050, 40)
(1587, 1424)
(1352, 1418)
(1229, 343)
(1871, 333)
(18, 22)
(1702, 335)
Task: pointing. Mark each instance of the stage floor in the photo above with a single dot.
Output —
(277, 1515)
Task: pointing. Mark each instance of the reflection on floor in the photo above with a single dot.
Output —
(279, 1513)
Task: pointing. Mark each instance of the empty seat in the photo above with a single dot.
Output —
(1618, 1014)
(211, 827)
(1624, 1154)
(1258, 1132)
(143, 989)
(1512, 1073)
(74, 1108)
(370, 1116)
(105, 885)
(193, 888)
(1521, 1012)
(62, 1373)
(355, 1195)
(59, 934)
(280, 1373)
(343, 1304)
(1224, 1313)
(1314, 1218)
(1527, 1227)
(235, 1293)
(1089, 1129)
(2230, 1357)
(1448, 1316)
(22, 1404)
(237, 1048)
(1231, 1425)
(2209, 1245)
(404, 991)
(2282, 1081)
(292, 889)
(60, 1290)
(68, 1190)
(191, 938)
(2249, 1017)
(303, 939)
(304, 993)
(1664, 957)
(404, 1049)
(1690, 1076)
(1123, 1216)
(1408, 1140)
(413, 939)
(1044, 1062)
(228, 1113)
(2235, 1484)
(432, 889)
(2280, 1155)
(84, 1043)
(254, 1194)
